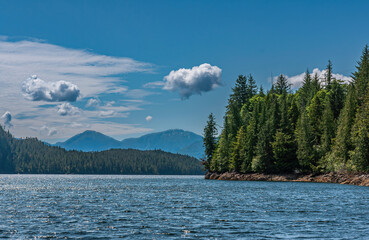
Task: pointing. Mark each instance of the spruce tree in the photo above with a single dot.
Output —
(209, 140)
(361, 76)
(305, 138)
(282, 85)
(284, 153)
(251, 87)
(239, 151)
(306, 89)
(315, 85)
(239, 94)
(328, 74)
(224, 149)
(328, 128)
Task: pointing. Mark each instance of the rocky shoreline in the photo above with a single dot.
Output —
(341, 178)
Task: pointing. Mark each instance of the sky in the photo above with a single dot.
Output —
(128, 68)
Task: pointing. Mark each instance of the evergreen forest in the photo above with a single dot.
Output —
(321, 127)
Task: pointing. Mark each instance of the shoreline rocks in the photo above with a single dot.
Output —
(341, 178)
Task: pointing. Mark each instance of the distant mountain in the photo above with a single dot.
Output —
(89, 141)
(174, 141)
(195, 149)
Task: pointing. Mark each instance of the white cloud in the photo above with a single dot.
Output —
(199, 79)
(109, 113)
(7, 118)
(297, 80)
(117, 90)
(148, 118)
(35, 89)
(110, 104)
(93, 102)
(77, 125)
(45, 130)
(158, 84)
(68, 109)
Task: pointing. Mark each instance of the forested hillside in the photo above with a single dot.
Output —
(321, 127)
(33, 156)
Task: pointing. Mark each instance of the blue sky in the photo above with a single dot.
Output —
(109, 51)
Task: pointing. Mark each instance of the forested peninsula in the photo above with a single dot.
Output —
(319, 132)
(32, 156)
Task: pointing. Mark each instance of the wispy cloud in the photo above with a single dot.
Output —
(92, 73)
(158, 84)
(196, 80)
(109, 113)
(65, 75)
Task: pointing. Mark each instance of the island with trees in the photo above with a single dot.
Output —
(318, 133)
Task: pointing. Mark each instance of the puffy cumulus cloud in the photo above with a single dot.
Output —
(93, 102)
(68, 109)
(297, 80)
(148, 118)
(7, 119)
(196, 80)
(35, 89)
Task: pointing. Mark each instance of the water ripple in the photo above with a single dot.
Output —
(175, 207)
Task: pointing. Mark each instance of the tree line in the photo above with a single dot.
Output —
(33, 156)
(321, 127)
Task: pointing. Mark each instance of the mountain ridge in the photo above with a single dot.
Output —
(172, 140)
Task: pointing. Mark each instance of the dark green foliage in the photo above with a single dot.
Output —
(210, 142)
(284, 152)
(328, 129)
(33, 156)
(306, 90)
(6, 164)
(360, 155)
(240, 91)
(318, 128)
(336, 95)
(239, 151)
(282, 85)
(305, 139)
(361, 76)
(340, 151)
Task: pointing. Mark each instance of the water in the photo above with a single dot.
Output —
(173, 207)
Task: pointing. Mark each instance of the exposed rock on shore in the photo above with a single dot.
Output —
(342, 178)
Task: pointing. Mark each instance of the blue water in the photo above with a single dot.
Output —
(173, 207)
